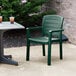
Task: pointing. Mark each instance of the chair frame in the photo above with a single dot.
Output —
(43, 43)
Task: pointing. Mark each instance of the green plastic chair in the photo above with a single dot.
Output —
(52, 27)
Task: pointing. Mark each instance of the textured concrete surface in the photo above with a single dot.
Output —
(37, 66)
(15, 45)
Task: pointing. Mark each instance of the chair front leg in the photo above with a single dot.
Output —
(28, 50)
(49, 53)
(61, 54)
(43, 48)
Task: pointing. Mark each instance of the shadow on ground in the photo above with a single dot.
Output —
(15, 38)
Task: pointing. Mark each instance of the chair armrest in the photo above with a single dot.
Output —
(33, 28)
(59, 30)
(28, 33)
(52, 31)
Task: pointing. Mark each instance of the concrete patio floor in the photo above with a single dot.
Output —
(37, 66)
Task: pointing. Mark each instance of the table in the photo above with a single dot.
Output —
(4, 26)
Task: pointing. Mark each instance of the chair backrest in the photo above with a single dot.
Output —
(52, 22)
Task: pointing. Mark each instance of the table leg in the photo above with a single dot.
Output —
(8, 56)
(7, 61)
(5, 58)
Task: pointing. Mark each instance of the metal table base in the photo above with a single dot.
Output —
(4, 26)
(6, 59)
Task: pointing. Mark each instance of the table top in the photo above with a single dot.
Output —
(8, 25)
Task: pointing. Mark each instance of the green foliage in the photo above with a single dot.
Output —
(37, 19)
(21, 11)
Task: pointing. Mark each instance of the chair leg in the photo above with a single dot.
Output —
(43, 47)
(28, 51)
(61, 54)
(49, 54)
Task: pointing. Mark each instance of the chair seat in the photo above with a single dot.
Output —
(42, 39)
